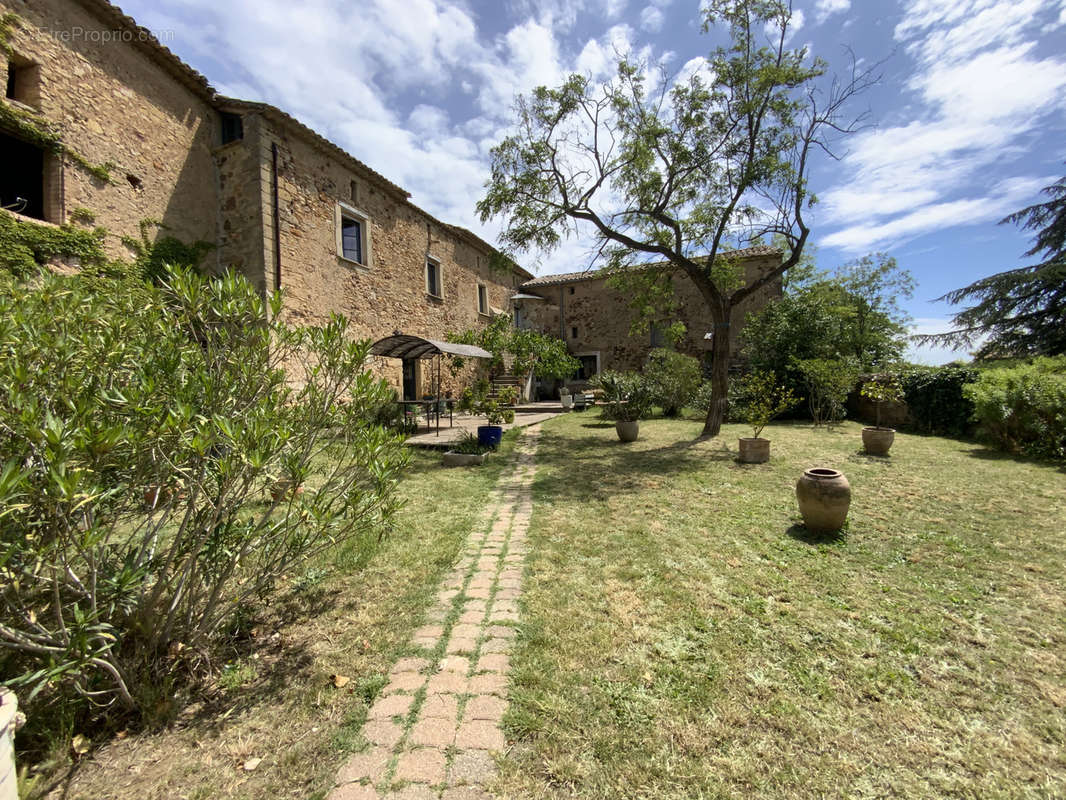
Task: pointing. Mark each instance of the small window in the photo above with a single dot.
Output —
(573, 333)
(232, 127)
(482, 299)
(571, 290)
(353, 192)
(22, 180)
(433, 278)
(23, 82)
(353, 235)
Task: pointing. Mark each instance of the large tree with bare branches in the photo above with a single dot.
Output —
(679, 170)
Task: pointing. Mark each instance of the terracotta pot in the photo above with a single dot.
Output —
(627, 430)
(877, 441)
(824, 497)
(754, 451)
(450, 459)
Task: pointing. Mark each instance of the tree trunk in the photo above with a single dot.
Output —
(719, 379)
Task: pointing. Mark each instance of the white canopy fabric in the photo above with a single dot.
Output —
(404, 346)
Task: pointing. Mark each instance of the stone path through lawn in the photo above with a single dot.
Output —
(434, 730)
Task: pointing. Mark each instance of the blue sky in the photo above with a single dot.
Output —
(966, 126)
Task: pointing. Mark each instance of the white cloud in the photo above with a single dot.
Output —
(652, 19)
(981, 92)
(823, 9)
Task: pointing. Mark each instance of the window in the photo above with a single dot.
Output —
(22, 180)
(433, 278)
(353, 192)
(573, 333)
(482, 299)
(590, 365)
(353, 235)
(571, 290)
(23, 82)
(232, 127)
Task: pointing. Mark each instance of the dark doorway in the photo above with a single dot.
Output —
(410, 379)
(22, 178)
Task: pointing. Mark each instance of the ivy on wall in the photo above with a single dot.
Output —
(27, 126)
(26, 246)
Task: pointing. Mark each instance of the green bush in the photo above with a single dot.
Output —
(626, 395)
(760, 397)
(829, 381)
(160, 471)
(1023, 408)
(935, 400)
(673, 379)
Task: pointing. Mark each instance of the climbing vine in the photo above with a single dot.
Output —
(153, 258)
(8, 23)
(26, 246)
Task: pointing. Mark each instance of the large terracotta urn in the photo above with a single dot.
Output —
(877, 441)
(627, 430)
(824, 497)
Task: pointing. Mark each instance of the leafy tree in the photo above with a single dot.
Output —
(679, 172)
(828, 381)
(544, 355)
(1021, 311)
(673, 379)
(852, 313)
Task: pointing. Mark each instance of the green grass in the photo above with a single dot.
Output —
(684, 637)
(350, 614)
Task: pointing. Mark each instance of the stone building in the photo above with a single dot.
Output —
(145, 137)
(595, 319)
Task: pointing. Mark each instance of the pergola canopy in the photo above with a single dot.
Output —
(404, 346)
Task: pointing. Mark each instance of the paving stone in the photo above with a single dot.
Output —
(404, 682)
(476, 604)
(409, 665)
(354, 791)
(506, 594)
(504, 606)
(455, 664)
(448, 682)
(368, 765)
(510, 583)
(485, 706)
(496, 645)
(511, 574)
(472, 766)
(391, 705)
(489, 683)
(424, 765)
(501, 631)
(494, 662)
(471, 618)
(433, 732)
(382, 732)
(461, 645)
(440, 706)
(429, 631)
(446, 595)
(504, 616)
(466, 631)
(425, 642)
(481, 581)
(478, 593)
(480, 734)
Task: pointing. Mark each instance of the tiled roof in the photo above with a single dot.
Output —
(592, 274)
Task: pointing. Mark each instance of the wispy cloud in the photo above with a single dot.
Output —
(980, 89)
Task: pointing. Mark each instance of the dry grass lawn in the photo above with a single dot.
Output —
(684, 637)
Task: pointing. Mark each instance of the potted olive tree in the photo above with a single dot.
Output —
(763, 398)
(878, 440)
(626, 398)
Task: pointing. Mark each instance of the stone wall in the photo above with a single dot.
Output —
(385, 295)
(113, 103)
(602, 319)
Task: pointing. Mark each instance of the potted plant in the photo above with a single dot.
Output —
(565, 398)
(476, 401)
(763, 398)
(626, 398)
(466, 452)
(877, 440)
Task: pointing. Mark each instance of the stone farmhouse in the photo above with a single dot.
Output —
(595, 320)
(146, 137)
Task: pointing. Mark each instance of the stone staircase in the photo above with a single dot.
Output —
(502, 381)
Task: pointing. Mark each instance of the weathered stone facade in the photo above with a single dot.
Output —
(595, 319)
(121, 99)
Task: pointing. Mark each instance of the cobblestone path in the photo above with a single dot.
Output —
(434, 730)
